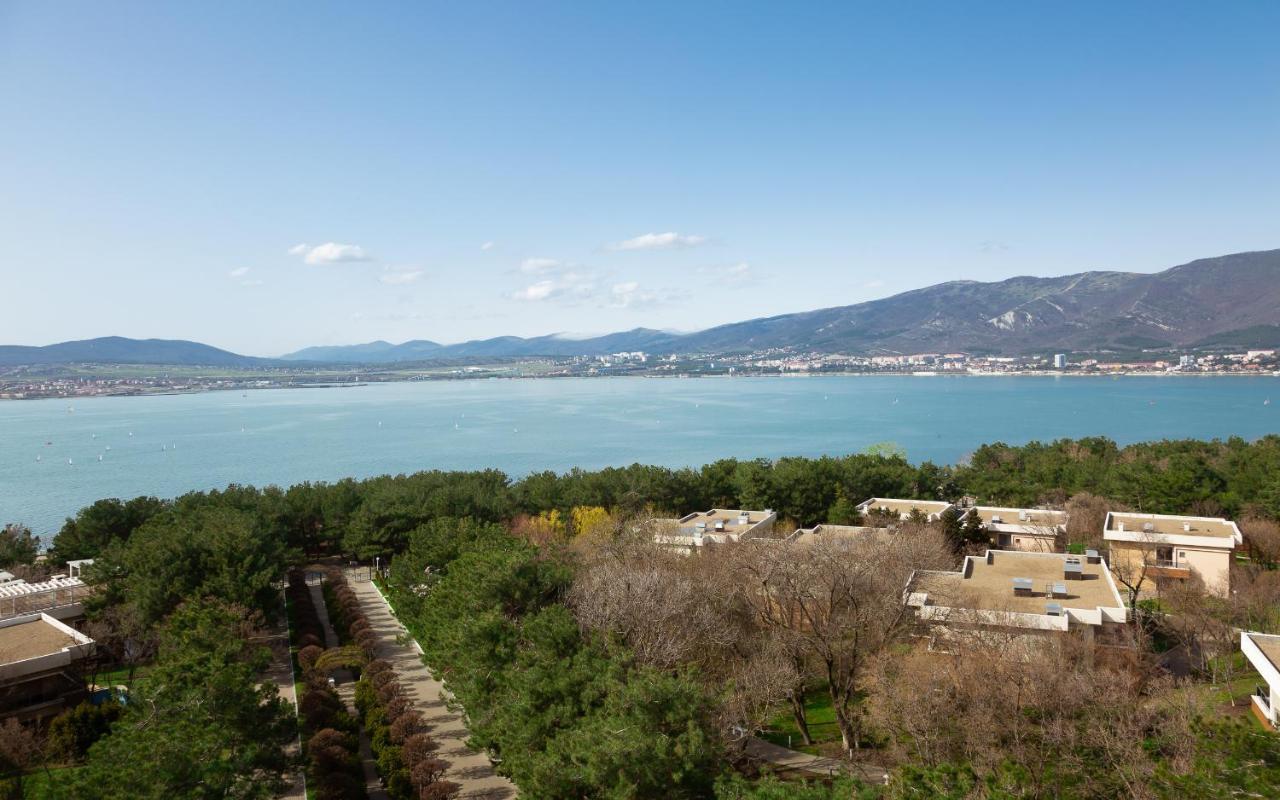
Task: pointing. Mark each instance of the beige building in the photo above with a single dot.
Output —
(40, 659)
(1035, 530)
(1146, 549)
(837, 535)
(1014, 590)
(716, 526)
(932, 509)
(1263, 652)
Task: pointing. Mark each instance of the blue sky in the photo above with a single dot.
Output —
(265, 176)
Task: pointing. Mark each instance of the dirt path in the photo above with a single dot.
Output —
(785, 760)
(467, 768)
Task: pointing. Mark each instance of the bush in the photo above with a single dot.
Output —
(74, 731)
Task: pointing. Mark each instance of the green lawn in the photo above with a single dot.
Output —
(822, 724)
(120, 676)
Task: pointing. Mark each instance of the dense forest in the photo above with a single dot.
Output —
(593, 664)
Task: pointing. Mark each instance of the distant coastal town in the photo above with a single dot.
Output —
(28, 382)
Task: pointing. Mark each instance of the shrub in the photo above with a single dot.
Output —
(307, 657)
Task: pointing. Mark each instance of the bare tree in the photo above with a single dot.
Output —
(841, 603)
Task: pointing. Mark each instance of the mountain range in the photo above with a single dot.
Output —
(1231, 300)
(1228, 301)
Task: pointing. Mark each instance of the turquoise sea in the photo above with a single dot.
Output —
(58, 455)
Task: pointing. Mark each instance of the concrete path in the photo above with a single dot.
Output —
(280, 672)
(347, 692)
(467, 768)
(785, 760)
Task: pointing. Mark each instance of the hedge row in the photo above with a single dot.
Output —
(405, 751)
(330, 734)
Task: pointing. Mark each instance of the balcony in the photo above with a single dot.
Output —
(1161, 568)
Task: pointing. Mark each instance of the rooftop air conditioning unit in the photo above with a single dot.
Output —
(1186, 526)
(1121, 528)
(701, 526)
(996, 518)
(1022, 515)
(719, 524)
(1148, 527)
(744, 519)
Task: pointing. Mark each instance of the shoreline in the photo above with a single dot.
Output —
(161, 392)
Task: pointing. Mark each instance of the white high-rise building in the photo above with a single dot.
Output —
(1060, 361)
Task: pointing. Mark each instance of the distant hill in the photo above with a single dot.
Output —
(498, 347)
(119, 350)
(1231, 300)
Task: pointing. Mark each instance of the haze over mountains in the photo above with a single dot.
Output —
(1231, 300)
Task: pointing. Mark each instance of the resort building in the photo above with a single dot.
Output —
(61, 597)
(1035, 530)
(716, 526)
(1149, 548)
(1263, 652)
(40, 659)
(931, 509)
(839, 535)
(1009, 589)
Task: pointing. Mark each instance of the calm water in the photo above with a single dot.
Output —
(202, 441)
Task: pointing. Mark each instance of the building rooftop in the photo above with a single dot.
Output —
(36, 636)
(904, 507)
(716, 525)
(1268, 645)
(836, 534)
(1022, 517)
(1129, 526)
(721, 520)
(987, 584)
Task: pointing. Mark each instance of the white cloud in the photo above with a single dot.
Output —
(537, 266)
(401, 276)
(569, 285)
(488, 246)
(740, 274)
(629, 294)
(238, 275)
(875, 284)
(330, 253)
(542, 290)
(660, 241)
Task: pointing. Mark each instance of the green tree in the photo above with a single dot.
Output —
(100, 524)
(17, 545)
(202, 725)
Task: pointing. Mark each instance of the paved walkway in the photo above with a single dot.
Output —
(785, 760)
(467, 768)
(280, 672)
(347, 691)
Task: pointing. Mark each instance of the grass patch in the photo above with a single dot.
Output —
(821, 716)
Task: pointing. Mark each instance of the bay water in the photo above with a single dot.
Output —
(59, 455)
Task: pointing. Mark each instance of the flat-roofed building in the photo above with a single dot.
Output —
(39, 660)
(1147, 548)
(1263, 652)
(1035, 530)
(837, 535)
(1011, 589)
(60, 596)
(931, 509)
(716, 526)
